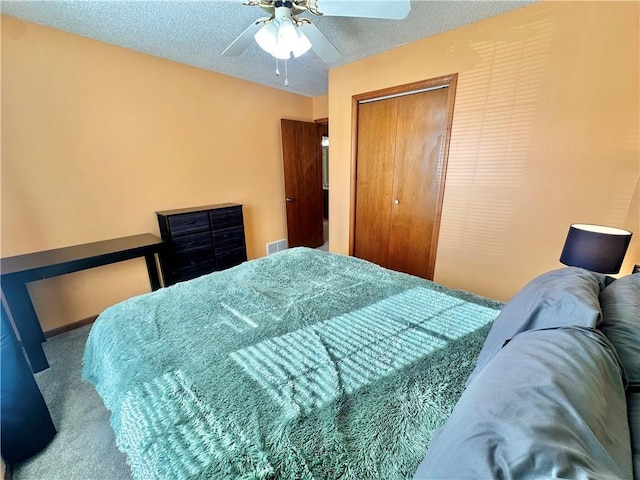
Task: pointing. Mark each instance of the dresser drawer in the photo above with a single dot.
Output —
(178, 269)
(193, 243)
(188, 222)
(195, 269)
(226, 217)
(228, 238)
(230, 258)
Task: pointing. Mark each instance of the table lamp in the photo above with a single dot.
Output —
(595, 247)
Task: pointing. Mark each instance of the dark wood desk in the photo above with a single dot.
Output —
(16, 272)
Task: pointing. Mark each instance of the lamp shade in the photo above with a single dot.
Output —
(302, 46)
(267, 36)
(595, 247)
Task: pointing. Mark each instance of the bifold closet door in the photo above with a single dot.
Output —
(399, 153)
(376, 157)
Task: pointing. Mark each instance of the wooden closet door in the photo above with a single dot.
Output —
(402, 139)
(374, 179)
(420, 133)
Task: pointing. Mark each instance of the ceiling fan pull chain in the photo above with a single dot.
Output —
(277, 69)
(286, 74)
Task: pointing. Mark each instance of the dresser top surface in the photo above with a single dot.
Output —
(179, 211)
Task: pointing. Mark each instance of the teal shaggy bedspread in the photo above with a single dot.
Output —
(300, 365)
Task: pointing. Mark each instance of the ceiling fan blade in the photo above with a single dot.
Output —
(390, 9)
(320, 44)
(245, 39)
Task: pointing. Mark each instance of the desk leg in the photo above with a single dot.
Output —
(152, 269)
(26, 322)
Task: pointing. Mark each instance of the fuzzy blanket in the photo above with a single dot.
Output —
(300, 365)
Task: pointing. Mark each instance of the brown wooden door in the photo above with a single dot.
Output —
(376, 154)
(302, 164)
(420, 130)
(401, 160)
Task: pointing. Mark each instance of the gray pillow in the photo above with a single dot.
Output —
(551, 404)
(620, 303)
(561, 298)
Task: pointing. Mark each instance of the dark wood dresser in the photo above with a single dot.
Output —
(201, 240)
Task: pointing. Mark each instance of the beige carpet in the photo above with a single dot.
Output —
(84, 447)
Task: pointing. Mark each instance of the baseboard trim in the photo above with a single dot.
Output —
(70, 326)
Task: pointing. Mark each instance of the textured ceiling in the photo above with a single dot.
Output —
(196, 32)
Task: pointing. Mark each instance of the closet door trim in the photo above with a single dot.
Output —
(400, 90)
(401, 94)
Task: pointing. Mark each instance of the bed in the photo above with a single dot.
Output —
(303, 365)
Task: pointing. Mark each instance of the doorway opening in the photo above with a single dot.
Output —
(325, 183)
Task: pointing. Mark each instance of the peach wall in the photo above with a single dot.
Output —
(545, 133)
(97, 138)
(321, 107)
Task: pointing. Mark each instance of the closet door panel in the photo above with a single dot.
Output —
(421, 128)
(374, 179)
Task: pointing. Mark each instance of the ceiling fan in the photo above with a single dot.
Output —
(282, 33)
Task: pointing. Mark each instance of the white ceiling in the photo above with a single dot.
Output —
(195, 32)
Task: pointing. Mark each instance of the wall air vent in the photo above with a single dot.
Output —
(276, 246)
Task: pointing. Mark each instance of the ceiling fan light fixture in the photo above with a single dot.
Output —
(281, 53)
(287, 34)
(303, 44)
(281, 34)
(285, 27)
(267, 37)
